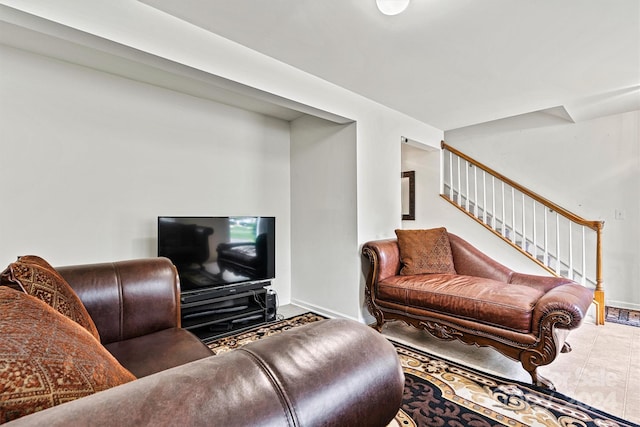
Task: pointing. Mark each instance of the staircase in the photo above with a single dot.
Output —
(561, 242)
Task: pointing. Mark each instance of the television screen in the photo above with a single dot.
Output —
(211, 252)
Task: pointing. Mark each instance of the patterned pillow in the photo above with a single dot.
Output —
(47, 359)
(39, 279)
(425, 252)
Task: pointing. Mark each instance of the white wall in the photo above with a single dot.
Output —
(591, 168)
(90, 160)
(426, 165)
(378, 128)
(324, 238)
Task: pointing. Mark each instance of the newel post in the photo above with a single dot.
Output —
(598, 297)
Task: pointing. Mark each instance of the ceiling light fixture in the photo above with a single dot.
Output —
(392, 7)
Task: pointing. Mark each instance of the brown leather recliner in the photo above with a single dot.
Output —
(525, 317)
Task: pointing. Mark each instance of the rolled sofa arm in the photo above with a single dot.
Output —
(384, 255)
(127, 299)
(329, 373)
(568, 302)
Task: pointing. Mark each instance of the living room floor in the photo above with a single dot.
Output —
(602, 370)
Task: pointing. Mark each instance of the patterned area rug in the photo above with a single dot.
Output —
(622, 316)
(442, 393)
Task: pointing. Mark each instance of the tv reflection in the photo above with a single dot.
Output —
(241, 251)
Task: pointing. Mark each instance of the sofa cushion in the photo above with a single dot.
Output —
(41, 280)
(47, 359)
(158, 351)
(425, 252)
(474, 298)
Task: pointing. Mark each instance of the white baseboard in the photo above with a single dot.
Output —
(622, 304)
(323, 311)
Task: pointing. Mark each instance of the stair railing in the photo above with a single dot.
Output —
(560, 241)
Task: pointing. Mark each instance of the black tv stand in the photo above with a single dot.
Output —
(212, 314)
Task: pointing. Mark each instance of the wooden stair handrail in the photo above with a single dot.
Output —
(594, 225)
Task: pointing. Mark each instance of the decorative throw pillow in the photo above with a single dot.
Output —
(47, 359)
(41, 280)
(425, 251)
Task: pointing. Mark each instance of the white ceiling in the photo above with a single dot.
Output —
(449, 63)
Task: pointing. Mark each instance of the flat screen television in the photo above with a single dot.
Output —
(215, 252)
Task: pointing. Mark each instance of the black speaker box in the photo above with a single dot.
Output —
(270, 305)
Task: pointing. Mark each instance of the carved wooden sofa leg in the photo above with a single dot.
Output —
(541, 381)
(377, 326)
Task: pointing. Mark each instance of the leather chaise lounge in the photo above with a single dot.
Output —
(306, 376)
(474, 299)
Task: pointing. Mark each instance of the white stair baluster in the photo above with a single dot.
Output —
(484, 197)
(466, 176)
(524, 226)
(583, 279)
(535, 233)
(475, 192)
(451, 175)
(504, 223)
(557, 244)
(513, 215)
(459, 184)
(546, 239)
(571, 272)
(493, 202)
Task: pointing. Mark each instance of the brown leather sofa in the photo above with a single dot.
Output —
(303, 377)
(525, 317)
